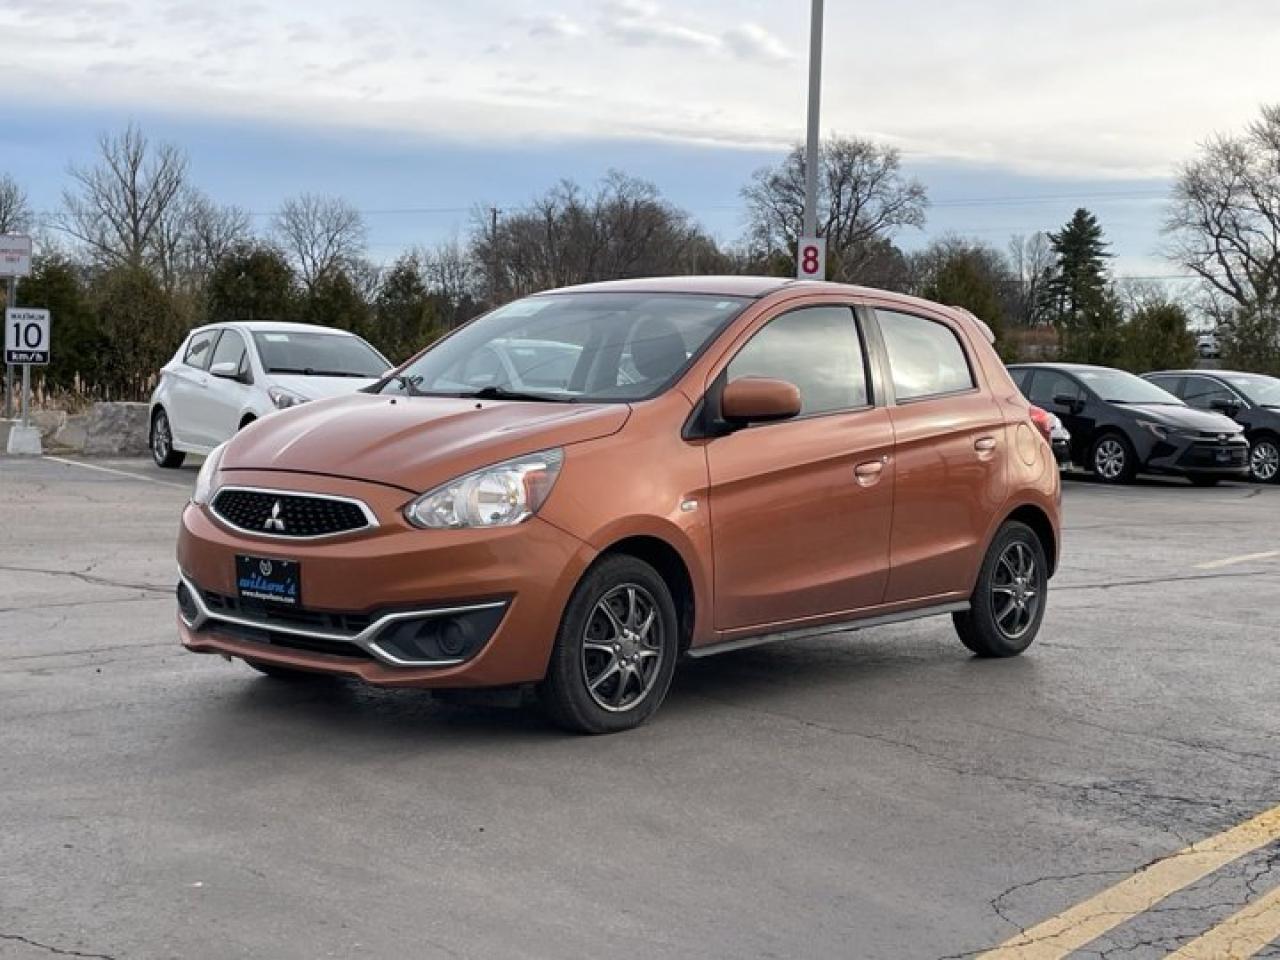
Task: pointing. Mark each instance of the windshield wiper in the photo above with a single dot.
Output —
(313, 372)
(502, 393)
(409, 384)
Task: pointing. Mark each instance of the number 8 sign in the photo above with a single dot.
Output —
(811, 258)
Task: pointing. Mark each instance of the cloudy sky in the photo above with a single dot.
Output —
(1011, 112)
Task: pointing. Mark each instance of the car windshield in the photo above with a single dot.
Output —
(318, 354)
(1116, 386)
(571, 346)
(1259, 389)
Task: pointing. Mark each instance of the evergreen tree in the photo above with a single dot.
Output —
(965, 278)
(1080, 300)
(407, 315)
(252, 283)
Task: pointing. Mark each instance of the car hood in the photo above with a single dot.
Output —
(414, 443)
(317, 388)
(1183, 418)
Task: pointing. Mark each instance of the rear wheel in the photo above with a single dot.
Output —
(1264, 459)
(161, 440)
(615, 651)
(1008, 602)
(1112, 459)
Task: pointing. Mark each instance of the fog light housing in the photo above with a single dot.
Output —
(438, 639)
(187, 604)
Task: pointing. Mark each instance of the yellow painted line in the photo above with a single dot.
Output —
(117, 473)
(1232, 561)
(1239, 936)
(1070, 930)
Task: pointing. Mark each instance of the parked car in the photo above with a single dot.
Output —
(1207, 345)
(1122, 425)
(1251, 399)
(727, 461)
(226, 375)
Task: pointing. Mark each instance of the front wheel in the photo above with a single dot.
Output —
(1112, 459)
(162, 451)
(1008, 603)
(615, 651)
(1264, 460)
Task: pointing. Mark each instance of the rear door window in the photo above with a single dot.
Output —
(925, 356)
(816, 348)
(200, 349)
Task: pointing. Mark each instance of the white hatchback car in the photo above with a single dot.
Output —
(227, 375)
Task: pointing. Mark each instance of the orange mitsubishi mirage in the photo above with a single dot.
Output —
(580, 488)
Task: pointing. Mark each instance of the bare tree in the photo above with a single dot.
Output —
(212, 232)
(15, 210)
(863, 200)
(1224, 221)
(1032, 262)
(319, 234)
(126, 209)
(622, 229)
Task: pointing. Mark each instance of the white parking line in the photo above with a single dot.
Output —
(1232, 561)
(118, 473)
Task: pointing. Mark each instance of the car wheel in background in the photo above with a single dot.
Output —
(1112, 459)
(615, 651)
(1264, 459)
(1008, 603)
(161, 441)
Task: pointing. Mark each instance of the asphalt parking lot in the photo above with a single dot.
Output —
(876, 794)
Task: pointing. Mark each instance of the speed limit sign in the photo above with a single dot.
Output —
(26, 336)
(811, 258)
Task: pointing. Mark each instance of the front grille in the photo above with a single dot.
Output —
(288, 515)
(333, 648)
(1206, 452)
(299, 617)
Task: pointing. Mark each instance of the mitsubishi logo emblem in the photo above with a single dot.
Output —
(274, 522)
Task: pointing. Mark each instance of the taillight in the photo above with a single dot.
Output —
(1043, 421)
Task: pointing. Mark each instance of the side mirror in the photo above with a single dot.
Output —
(226, 370)
(759, 400)
(1066, 400)
(1229, 407)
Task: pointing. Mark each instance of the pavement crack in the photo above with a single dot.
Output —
(56, 951)
(90, 579)
(1112, 584)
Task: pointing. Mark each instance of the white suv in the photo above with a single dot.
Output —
(227, 375)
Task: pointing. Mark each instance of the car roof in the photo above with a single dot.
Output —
(271, 326)
(1206, 373)
(755, 288)
(1068, 367)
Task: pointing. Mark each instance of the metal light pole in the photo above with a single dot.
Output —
(811, 255)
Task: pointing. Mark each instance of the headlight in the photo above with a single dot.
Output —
(502, 495)
(284, 399)
(205, 487)
(1157, 430)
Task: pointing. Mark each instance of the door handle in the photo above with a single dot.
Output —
(984, 444)
(868, 473)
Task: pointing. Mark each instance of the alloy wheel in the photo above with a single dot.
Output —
(1108, 459)
(1015, 590)
(1264, 460)
(161, 442)
(623, 648)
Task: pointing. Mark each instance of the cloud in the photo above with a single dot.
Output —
(753, 42)
(553, 27)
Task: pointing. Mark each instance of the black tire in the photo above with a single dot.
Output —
(245, 422)
(1264, 458)
(990, 630)
(1112, 458)
(161, 442)
(283, 673)
(591, 640)
(1203, 480)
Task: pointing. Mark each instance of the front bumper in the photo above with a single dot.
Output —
(1204, 454)
(356, 588)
